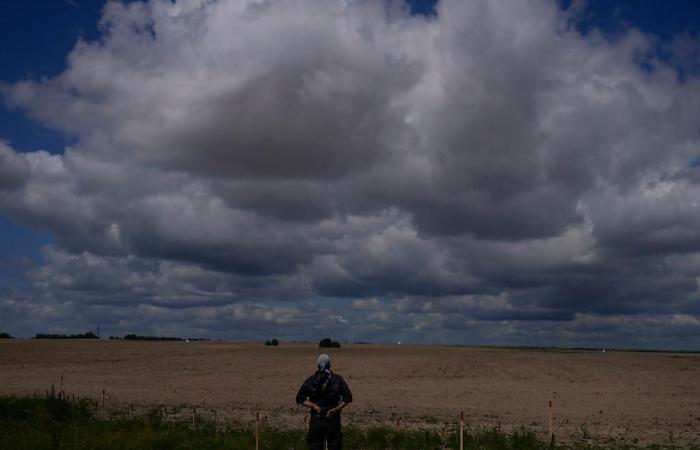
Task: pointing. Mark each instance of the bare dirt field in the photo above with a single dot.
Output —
(597, 396)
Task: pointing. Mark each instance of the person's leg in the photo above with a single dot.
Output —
(334, 434)
(316, 436)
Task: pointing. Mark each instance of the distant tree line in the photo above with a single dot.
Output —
(5, 336)
(136, 337)
(88, 335)
(272, 343)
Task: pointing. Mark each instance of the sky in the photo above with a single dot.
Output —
(482, 172)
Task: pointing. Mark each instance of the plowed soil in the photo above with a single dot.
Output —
(596, 396)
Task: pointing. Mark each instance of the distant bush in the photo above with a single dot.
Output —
(272, 343)
(5, 336)
(328, 343)
(88, 335)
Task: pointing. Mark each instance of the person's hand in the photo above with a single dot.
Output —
(317, 409)
(332, 412)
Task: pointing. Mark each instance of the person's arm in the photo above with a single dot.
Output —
(303, 398)
(311, 405)
(303, 395)
(345, 398)
(337, 409)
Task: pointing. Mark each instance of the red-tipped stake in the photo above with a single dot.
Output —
(461, 430)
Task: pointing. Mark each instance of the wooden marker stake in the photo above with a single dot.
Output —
(103, 401)
(461, 430)
(550, 422)
(257, 431)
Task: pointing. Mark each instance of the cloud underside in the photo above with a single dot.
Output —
(249, 168)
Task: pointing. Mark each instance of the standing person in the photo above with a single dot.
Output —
(325, 393)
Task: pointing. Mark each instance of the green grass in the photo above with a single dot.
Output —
(523, 439)
(54, 422)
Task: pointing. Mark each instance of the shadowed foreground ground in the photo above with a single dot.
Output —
(650, 397)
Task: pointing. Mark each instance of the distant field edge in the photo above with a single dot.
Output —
(359, 344)
(571, 349)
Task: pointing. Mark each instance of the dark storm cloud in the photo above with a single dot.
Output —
(14, 170)
(286, 200)
(315, 119)
(655, 220)
(484, 174)
(392, 260)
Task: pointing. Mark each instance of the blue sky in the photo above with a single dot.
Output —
(36, 40)
(663, 19)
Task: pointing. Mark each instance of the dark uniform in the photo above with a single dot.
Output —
(327, 390)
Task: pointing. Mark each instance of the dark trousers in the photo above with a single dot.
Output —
(325, 429)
